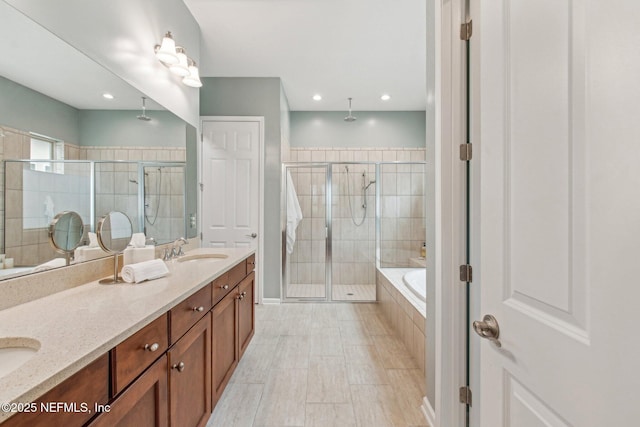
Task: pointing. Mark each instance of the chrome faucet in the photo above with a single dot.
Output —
(177, 251)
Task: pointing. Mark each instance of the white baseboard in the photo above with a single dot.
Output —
(428, 412)
(270, 300)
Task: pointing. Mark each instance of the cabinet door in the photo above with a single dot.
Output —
(190, 376)
(143, 404)
(246, 321)
(90, 386)
(224, 343)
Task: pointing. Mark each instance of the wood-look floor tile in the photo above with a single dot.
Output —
(283, 399)
(330, 415)
(408, 392)
(393, 354)
(237, 406)
(292, 352)
(376, 406)
(327, 381)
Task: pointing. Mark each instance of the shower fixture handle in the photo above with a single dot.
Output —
(488, 328)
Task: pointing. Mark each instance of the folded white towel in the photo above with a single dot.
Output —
(294, 213)
(147, 270)
(93, 240)
(138, 240)
(54, 263)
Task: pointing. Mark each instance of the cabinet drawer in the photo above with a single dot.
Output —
(221, 287)
(189, 311)
(134, 355)
(251, 264)
(237, 273)
(88, 386)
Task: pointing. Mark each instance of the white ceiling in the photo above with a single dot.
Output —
(34, 57)
(337, 48)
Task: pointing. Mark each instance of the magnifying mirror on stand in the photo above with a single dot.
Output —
(114, 233)
(65, 233)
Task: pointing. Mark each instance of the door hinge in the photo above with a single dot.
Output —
(466, 152)
(201, 235)
(201, 137)
(201, 186)
(466, 273)
(466, 30)
(465, 395)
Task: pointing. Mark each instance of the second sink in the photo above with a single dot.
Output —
(14, 352)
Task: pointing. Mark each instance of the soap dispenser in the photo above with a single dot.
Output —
(423, 250)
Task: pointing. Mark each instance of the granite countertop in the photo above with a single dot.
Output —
(77, 326)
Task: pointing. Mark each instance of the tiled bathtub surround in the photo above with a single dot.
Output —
(403, 311)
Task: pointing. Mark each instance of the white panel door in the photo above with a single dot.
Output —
(558, 217)
(230, 176)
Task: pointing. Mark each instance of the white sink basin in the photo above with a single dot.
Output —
(14, 352)
(202, 256)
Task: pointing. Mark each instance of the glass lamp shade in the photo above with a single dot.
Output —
(193, 79)
(181, 68)
(167, 51)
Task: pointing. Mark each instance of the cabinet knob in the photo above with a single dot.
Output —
(201, 308)
(152, 347)
(244, 294)
(225, 286)
(179, 367)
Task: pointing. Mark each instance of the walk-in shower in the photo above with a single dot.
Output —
(356, 216)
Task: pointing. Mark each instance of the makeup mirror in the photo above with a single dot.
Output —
(65, 233)
(114, 233)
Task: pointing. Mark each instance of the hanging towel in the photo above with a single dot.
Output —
(294, 213)
(147, 270)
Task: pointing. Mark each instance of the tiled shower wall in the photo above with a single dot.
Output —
(31, 246)
(26, 246)
(353, 257)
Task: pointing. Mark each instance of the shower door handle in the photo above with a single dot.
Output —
(252, 235)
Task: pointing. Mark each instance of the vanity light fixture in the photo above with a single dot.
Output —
(175, 58)
(317, 97)
(193, 79)
(385, 97)
(107, 95)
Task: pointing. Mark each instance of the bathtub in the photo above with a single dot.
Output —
(416, 281)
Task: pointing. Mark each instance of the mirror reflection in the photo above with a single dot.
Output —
(114, 232)
(66, 231)
(65, 146)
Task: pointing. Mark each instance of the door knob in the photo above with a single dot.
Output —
(252, 235)
(488, 328)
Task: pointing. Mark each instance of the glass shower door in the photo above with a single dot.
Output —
(306, 247)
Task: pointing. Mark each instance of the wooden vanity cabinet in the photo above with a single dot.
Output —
(189, 376)
(143, 404)
(90, 385)
(131, 357)
(246, 319)
(224, 339)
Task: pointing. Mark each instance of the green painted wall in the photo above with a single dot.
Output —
(372, 129)
(249, 96)
(25, 109)
(104, 128)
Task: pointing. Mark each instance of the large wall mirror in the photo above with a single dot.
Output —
(74, 136)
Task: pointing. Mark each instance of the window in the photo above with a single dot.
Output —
(45, 148)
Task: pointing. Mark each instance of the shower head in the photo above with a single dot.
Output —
(144, 116)
(350, 118)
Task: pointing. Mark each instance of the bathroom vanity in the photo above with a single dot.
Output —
(158, 353)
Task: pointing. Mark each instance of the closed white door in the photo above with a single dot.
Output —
(557, 214)
(230, 183)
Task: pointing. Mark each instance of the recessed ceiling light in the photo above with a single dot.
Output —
(107, 95)
(385, 97)
(317, 97)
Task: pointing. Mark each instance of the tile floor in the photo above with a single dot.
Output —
(323, 365)
(339, 292)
